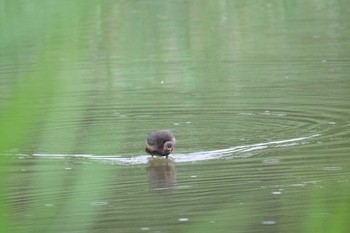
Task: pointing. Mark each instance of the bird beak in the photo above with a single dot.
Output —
(170, 149)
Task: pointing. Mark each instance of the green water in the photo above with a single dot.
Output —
(256, 93)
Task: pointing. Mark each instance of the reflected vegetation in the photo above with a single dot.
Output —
(256, 93)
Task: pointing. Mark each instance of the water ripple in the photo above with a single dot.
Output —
(231, 152)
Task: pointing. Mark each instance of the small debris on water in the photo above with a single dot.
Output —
(183, 219)
(270, 222)
(99, 203)
(297, 185)
(271, 161)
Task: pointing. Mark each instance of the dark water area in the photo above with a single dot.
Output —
(255, 92)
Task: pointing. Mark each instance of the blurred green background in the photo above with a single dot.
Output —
(94, 77)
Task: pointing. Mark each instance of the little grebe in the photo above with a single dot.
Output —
(160, 143)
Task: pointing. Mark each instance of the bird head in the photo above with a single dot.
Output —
(169, 146)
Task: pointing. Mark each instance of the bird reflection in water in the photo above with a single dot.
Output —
(161, 173)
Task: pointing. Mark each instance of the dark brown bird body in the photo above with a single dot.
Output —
(160, 143)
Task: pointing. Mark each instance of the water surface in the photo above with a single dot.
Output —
(256, 93)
